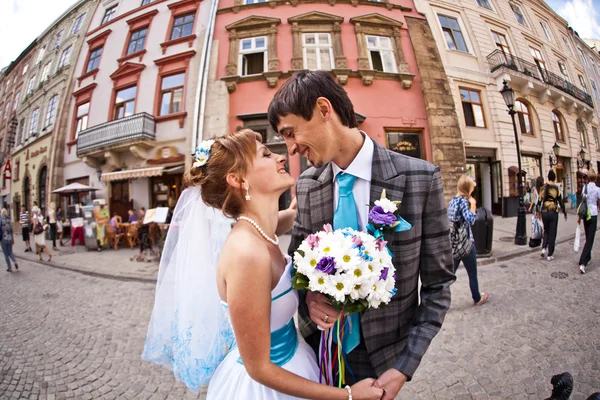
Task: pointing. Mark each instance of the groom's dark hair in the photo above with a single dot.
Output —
(298, 96)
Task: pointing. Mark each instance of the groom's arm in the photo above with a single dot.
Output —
(436, 277)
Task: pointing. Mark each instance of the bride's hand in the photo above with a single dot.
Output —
(293, 204)
(321, 312)
(364, 390)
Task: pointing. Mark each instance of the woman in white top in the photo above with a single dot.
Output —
(592, 192)
(39, 232)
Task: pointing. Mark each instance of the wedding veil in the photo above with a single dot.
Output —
(189, 331)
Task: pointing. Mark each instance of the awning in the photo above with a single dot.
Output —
(132, 174)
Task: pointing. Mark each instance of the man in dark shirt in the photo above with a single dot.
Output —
(24, 220)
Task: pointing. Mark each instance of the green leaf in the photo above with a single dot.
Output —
(383, 194)
(300, 252)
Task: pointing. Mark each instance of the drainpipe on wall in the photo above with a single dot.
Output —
(200, 103)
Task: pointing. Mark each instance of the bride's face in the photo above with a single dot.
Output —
(267, 174)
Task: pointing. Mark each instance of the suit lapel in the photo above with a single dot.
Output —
(385, 176)
(321, 200)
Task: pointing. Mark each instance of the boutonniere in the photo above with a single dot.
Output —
(384, 217)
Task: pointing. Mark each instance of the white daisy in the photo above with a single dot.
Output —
(387, 205)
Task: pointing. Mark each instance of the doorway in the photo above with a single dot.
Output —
(120, 201)
(42, 189)
(480, 162)
(27, 194)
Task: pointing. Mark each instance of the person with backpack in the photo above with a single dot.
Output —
(590, 194)
(549, 203)
(8, 240)
(461, 214)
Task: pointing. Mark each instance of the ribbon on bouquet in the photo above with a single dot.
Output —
(332, 357)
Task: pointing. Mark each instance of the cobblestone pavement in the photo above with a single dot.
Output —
(67, 335)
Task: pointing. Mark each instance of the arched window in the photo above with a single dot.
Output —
(42, 189)
(558, 130)
(582, 130)
(524, 118)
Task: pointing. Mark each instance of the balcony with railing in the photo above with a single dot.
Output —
(118, 135)
(530, 77)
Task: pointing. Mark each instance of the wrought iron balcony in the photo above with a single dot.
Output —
(498, 60)
(124, 132)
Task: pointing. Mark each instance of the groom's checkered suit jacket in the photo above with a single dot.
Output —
(398, 335)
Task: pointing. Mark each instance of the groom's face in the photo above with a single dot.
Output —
(311, 139)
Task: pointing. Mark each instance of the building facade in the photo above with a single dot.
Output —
(12, 88)
(130, 116)
(45, 94)
(367, 46)
(523, 42)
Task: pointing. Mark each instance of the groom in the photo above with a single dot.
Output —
(315, 116)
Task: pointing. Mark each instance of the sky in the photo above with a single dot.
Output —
(21, 21)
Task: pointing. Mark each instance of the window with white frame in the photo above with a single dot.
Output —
(546, 30)
(51, 111)
(254, 1)
(81, 118)
(568, 46)
(33, 122)
(64, 57)
(485, 4)
(317, 51)
(253, 56)
(7, 110)
(41, 55)
(25, 68)
(582, 81)
(31, 84)
(58, 39)
(45, 72)
(453, 34)
(595, 89)
(381, 54)
(563, 70)
(144, 2)
(77, 24)
(17, 97)
(582, 56)
(518, 14)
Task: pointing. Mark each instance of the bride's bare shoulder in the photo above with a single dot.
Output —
(243, 248)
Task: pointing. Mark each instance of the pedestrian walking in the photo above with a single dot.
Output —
(59, 225)
(39, 232)
(590, 194)
(550, 202)
(52, 222)
(25, 221)
(8, 240)
(461, 210)
(535, 197)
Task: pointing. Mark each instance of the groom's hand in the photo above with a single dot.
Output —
(320, 310)
(391, 382)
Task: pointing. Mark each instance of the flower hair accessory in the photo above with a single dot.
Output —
(202, 153)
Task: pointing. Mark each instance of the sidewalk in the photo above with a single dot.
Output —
(118, 265)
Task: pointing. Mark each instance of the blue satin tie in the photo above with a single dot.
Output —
(346, 216)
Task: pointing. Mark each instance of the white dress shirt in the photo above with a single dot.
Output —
(360, 167)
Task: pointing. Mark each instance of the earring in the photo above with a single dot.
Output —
(247, 194)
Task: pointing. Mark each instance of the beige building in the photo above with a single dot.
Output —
(131, 112)
(45, 93)
(526, 44)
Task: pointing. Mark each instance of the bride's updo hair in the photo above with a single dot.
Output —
(229, 154)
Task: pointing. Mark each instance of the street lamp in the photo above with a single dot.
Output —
(509, 98)
(554, 157)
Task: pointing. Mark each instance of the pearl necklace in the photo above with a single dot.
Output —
(259, 229)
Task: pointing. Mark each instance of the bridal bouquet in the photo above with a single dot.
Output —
(355, 271)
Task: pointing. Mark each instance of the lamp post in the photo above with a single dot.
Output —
(554, 157)
(521, 235)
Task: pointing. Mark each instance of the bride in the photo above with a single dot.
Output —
(224, 306)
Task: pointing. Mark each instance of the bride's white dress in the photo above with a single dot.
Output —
(288, 350)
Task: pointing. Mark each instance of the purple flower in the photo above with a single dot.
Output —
(384, 274)
(313, 241)
(327, 228)
(380, 217)
(381, 244)
(327, 265)
(357, 241)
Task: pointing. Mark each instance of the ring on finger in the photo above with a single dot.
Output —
(326, 318)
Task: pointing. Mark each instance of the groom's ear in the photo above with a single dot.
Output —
(234, 181)
(324, 108)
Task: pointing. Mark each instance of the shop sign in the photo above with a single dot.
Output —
(36, 153)
(7, 170)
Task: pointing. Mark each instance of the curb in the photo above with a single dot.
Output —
(125, 278)
(492, 260)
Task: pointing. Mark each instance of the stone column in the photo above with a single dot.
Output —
(232, 67)
(401, 62)
(273, 60)
(297, 60)
(363, 54)
(338, 51)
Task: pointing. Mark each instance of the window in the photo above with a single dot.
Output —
(17, 97)
(546, 30)
(558, 131)
(568, 46)
(452, 33)
(485, 4)
(582, 132)
(41, 55)
(524, 118)
(58, 39)
(31, 83)
(7, 110)
(183, 26)
(595, 89)
(381, 54)
(317, 51)
(407, 143)
(502, 45)
(51, 112)
(109, 14)
(94, 60)
(539, 61)
(81, 118)
(593, 64)
(64, 58)
(171, 94)
(518, 14)
(563, 70)
(45, 72)
(472, 108)
(77, 24)
(144, 2)
(34, 122)
(137, 40)
(253, 56)
(125, 102)
(254, 1)
(582, 81)
(25, 68)
(582, 56)
(595, 132)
